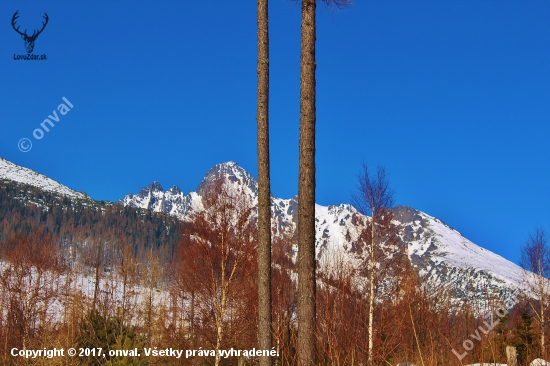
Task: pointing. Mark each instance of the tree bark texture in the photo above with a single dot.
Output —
(264, 190)
(306, 190)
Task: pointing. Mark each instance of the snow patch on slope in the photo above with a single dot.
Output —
(439, 253)
(16, 173)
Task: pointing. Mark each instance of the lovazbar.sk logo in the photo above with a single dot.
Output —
(29, 39)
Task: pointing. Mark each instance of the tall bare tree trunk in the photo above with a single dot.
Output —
(264, 190)
(192, 320)
(371, 293)
(306, 190)
(542, 302)
(97, 278)
(375, 196)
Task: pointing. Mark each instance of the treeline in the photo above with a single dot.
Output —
(26, 210)
(204, 294)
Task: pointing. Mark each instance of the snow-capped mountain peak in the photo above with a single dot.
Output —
(174, 190)
(12, 172)
(175, 202)
(231, 172)
(439, 253)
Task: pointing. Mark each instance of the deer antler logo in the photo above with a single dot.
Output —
(29, 40)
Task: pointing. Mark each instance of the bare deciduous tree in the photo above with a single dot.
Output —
(217, 255)
(284, 299)
(535, 260)
(375, 197)
(29, 278)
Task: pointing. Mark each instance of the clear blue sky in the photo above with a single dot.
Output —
(452, 97)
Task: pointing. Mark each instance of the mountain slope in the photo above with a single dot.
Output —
(439, 253)
(443, 256)
(12, 172)
(33, 203)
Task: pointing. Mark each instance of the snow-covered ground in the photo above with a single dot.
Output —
(51, 292)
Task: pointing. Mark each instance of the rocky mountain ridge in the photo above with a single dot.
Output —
(440, 254)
